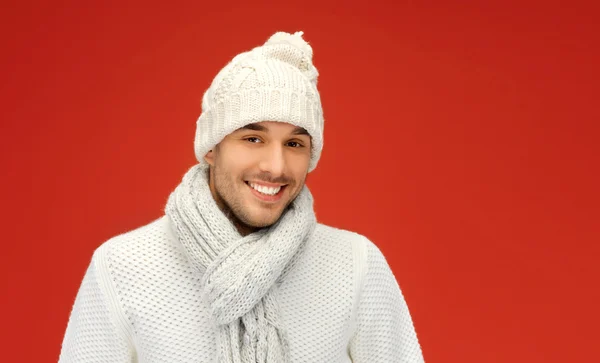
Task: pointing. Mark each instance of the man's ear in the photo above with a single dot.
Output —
(210, 158)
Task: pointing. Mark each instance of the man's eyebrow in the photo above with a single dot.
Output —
(254, 127)
(257, 127)
(300, 131)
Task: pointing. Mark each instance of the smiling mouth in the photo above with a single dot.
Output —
(270, 194)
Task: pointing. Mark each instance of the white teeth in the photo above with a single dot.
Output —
(265, 190)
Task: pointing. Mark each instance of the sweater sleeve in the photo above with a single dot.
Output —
(95, 332)
(384, 330)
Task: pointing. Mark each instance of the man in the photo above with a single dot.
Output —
(238, 269)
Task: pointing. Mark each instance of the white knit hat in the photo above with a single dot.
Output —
(273, 82)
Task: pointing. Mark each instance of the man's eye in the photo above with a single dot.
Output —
(294, 144)
(253, 139)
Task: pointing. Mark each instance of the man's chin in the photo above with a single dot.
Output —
(262, 221)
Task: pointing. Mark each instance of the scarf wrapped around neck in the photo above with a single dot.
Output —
(241, 275)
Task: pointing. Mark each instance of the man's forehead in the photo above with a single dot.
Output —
(264, 127)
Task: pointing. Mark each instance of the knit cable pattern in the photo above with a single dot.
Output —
(276, 81)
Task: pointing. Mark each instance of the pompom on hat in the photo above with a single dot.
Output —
(273, 82)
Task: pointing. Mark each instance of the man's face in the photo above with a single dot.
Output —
(258, 170)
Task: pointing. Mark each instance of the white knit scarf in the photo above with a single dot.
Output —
(241, 274)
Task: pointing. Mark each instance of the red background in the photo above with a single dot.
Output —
(461, 137)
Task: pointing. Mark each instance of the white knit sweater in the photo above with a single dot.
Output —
(140, 301)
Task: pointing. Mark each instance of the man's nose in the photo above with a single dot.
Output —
(273, 160)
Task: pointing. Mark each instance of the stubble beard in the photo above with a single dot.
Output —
(233, 207)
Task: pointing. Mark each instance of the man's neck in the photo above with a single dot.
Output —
(242, 228)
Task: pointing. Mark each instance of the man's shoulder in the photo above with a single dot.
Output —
(150, 233)
(337, 235)
(144, 244)
(342, 239)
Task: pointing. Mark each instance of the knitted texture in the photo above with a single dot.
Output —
(103, 342)
(141, 300)
(240, 273)
(273, 82)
